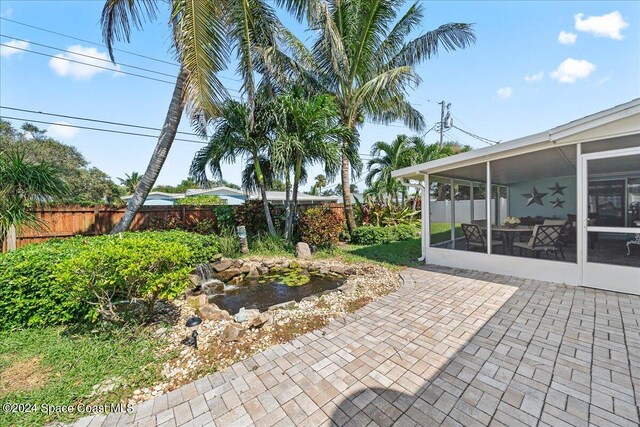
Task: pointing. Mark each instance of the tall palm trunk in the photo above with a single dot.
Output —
(346, 193)
(294, 196)
(263, 193)
(165, 140)
(287, 204)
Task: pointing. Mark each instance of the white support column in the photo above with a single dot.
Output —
(453, 215)
(426, 217)
(581, 211)
(471, 206)
(488, 197)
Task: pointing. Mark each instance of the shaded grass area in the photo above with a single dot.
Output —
(55, 366)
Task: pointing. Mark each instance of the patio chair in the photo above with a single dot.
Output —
(474, 237)
(545, 239)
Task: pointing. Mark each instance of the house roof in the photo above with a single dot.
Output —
(576, 131)
(218, 191)
(278, 196)
(158, 195)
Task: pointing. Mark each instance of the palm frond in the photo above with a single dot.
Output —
(119, 16)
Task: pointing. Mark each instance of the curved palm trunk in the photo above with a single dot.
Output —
(263, 193)
(346, 193)
(165, 140)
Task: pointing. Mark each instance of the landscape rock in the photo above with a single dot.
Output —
(302, 250)
(253, 272)
(197, 301)
(282, 306)
(211, 287)
(338, 269)
(258, 321)
(262, 269)
(245, 315)
(216, 257)
(347, 287)
(160, 331)
(324, 270)
(232, 332)
(195, 279)
(228, 273)
(238, 263)
(213, 313)
(221, 265)
(245, 268)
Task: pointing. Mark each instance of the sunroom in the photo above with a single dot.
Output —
(561, 205)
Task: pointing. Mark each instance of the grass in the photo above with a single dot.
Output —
(393, 255)
(55, 366)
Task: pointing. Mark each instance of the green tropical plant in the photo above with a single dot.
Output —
(362, 56)
(24, 186)
(307, 132)
(235, 138)
(387, 157)
(130, 182)
(202, 200)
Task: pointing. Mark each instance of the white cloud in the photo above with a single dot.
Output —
(62, 67)
(608, 25)
(505, 92)
(7, 13)
(9, 50)
(567, 38)
(571, 70)
(530, 78)
(62, 130)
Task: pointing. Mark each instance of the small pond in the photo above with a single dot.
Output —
(273, 289)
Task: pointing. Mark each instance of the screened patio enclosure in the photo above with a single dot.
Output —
(561, 205)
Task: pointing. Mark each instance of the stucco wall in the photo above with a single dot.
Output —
(518, 203)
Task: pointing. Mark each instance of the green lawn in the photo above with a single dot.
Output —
(395, 254)
(54, 366)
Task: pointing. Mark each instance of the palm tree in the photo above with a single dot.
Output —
(321, 182)
(235, 138)
(23, 186)
(308, 132)
(204, 33)
(362, 57)
(387, 158)
(130, 182)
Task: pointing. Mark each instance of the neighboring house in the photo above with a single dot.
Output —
(156, 198)
(575, 189)
(234, 197)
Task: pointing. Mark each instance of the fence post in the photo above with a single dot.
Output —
(11, 238)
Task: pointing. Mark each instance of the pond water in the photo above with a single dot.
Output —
(263, 294)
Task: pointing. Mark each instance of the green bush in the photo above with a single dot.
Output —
(371, 235)
(321, 226)
(64, 281)
(251, 215)
(404, 231)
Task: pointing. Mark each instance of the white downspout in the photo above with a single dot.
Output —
(421, 185)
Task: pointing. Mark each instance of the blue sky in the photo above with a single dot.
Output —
(535, 65)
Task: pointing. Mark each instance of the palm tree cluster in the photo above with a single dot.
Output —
(403, 151)
(359, 65)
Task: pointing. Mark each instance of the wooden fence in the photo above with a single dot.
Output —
(68, 221)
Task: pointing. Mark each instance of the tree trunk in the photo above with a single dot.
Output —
(346, 194)
(263, 193)
(415, 201)
(168, 133)
(288, 217)
(294, 196)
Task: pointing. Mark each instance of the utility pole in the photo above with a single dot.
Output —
(441, 121)
(445, 121)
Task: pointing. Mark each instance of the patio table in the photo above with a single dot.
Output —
(508, 234)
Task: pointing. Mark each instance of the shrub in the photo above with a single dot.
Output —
(404, 231)
(251, 215)
(201, 200)
(321, 226)
(224, 217)
(371, 235)
(47, 284)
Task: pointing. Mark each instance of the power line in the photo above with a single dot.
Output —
(88, 56)
(479, 138)
(102, 45)
(97, 129)
(89, 120)
(87, 64)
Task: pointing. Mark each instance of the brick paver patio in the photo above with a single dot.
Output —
(450, 347)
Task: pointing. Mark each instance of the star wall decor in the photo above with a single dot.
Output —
(557, 203)
(534, 197)
(557, 189)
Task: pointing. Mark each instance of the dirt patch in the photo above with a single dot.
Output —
(23, 375)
